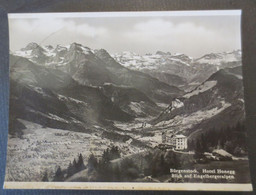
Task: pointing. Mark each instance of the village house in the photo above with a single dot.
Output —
(178, 142)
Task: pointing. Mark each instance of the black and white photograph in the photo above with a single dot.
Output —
(127, 100)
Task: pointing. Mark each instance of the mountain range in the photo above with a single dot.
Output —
(73, 99)
(74, 87)
(183, 71)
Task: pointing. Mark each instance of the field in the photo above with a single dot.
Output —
(43, 149)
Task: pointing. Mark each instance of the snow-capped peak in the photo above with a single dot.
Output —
(47, 54)
(162, 53)
(219, 58)
(135, 61)
(31, 46)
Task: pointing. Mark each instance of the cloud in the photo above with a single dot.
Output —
(156, 28)
(87, 30)
(187, 37)
(38, 29)
(192, 36)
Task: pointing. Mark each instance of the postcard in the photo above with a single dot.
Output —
(127, 101)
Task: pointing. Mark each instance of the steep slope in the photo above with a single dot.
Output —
(131, 100)
(41, 106)
(96, 67)
(168, 78)
(210, 63)
(217, 102)
(100, 106)
(86, 68)
(158, 65)
(153, 88)
(24, 71)
(220, 59)
(189, 72)
(111, 91)
(52, 98)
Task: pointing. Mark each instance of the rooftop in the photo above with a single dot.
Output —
(180, 136)
(176, 136)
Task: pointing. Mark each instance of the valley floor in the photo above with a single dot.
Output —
(44, 149)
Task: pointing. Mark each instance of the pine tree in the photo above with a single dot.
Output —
(162, 164)
(198, 147)
(129, 169)
(80, 163)
(106, 156)
(104, 170)
(74, 163)
(59, 176)
(92, 163)
(70, 169)
(117, 174)
(114, 153)
(203, 143)
(45, 177)
(191, 144)
(153, 167)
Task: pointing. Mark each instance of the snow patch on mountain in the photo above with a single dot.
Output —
(219, 58)
(162, 105)
(54, 56)
(177, 104)
(49, 115)
(24, 53)
(61, 97)
(202, 88)
(180, 61)
(57, 118)
(188, 121)
(48, 51)
(149, 61)
(39, 90)
(85, 50)
(136, 107)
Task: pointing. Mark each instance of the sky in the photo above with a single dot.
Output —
(192, 34)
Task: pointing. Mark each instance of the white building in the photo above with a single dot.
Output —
(181, 142)
(178, 142)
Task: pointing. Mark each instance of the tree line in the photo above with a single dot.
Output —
(78, 165)
(74, 167)
(103, 169)
(232, 139)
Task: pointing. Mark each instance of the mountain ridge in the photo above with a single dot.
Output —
(96, 67)
(216, 103)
